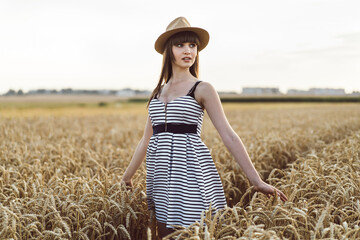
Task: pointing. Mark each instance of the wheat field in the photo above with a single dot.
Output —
(61, 168)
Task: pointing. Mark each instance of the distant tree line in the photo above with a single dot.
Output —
(128, 92)
(70, 91)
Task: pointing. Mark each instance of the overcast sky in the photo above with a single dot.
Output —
(109, 44)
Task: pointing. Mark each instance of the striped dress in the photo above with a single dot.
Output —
(181, 178)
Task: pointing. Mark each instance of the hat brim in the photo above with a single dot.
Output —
(202, 34)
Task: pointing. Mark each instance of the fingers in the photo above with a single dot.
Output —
(275, 192)
(272, 191)
(128, 185)
(283, 197)
(280, 194)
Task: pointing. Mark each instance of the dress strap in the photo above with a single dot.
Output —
(192, 90)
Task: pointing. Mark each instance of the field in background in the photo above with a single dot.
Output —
(61, 165)
(53, 100)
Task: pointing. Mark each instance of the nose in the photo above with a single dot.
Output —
(186, 49)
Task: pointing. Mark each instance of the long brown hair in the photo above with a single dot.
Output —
(168, 58)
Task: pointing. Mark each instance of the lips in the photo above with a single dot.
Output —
(186, 58)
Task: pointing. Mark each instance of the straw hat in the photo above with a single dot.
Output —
(180, 24)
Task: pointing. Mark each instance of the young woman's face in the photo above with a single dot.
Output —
(184, 54)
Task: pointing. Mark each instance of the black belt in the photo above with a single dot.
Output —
(175, 128)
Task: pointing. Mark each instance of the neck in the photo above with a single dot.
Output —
(180, 74)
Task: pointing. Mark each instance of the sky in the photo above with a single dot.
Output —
(109, 44)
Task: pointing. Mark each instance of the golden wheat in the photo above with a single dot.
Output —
(60, 175)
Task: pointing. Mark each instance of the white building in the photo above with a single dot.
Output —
(317, 91)
(297, 92)
(125, 93)
(326, 91)
(260, 91)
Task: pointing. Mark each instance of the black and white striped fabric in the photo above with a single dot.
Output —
(181, 178)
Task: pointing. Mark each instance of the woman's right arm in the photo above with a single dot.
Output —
(139, 154)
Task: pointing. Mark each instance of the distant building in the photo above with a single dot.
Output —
(127, 92)
(260, 91)
(317, 91)
(326, 91)
(297, 92)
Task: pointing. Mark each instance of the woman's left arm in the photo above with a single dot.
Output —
(207, 96)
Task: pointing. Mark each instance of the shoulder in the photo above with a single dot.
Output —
(205, 88)
(204, 91)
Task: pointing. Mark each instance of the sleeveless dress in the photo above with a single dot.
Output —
(181, 178)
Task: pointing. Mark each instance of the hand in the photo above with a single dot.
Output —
(270, 190)
(128, 183)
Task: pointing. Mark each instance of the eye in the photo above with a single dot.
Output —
(179, 45)
(192, 45)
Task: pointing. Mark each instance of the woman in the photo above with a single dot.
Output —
(182, 179)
